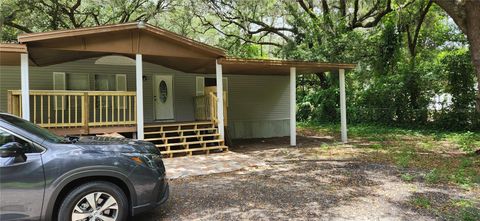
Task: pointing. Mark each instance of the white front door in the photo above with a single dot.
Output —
(163, 97)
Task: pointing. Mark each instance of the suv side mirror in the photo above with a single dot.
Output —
(13, 149)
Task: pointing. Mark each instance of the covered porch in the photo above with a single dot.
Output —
(96, 112)
(130, 109)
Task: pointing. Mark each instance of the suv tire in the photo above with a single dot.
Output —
(77, 202)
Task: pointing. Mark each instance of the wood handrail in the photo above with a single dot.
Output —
(67, 92)
(206, 107)
(64, 108)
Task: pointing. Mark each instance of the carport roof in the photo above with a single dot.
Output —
(157, 46)
(240, 66)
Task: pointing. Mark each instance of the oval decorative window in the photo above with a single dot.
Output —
(163, 91)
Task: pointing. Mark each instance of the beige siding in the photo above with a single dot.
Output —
(9, 78)
(258, 105)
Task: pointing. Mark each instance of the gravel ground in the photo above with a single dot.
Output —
(297, 185)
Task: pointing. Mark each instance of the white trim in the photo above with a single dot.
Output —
(343, 106)
(25, 86)
(139, 99)
(219, 77)
(293, 104)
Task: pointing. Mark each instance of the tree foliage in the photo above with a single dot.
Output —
(407, 51)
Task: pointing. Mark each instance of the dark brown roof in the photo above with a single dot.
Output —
(78, 32)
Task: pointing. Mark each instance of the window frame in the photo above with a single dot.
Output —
(117, 76)
(26, 140)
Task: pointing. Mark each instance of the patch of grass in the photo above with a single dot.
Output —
(465, 175)
(467, 141)
(407, 177)
(462, 177)
(377, 146)
(430, 150)
(467, 210)
(404, 157)
(421, 202)
(462, 203)
(470, 214)
(433, 176)
(427, 145)
(325, 146)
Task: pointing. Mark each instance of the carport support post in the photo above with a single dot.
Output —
(25, 86)
(343, 106)
(293, 106)
(139, 98)
(219, 76)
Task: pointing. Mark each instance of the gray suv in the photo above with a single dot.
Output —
(47, 177)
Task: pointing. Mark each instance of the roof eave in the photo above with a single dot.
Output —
(290, 63)
(29, 37)
(13, 48)
(32, 37)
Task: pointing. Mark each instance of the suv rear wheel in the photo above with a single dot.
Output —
(97, 200)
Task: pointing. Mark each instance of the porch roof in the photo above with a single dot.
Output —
(157, 46)
(240, 66)
(9, 53)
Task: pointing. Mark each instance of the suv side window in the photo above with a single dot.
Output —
(7, 137)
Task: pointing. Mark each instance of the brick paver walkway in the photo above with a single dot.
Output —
(208, 164)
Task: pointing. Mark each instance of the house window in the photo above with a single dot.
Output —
(200, 86)
(59, 81)
(111, 82)
(78, 82)
(70, 81)
(121, 82)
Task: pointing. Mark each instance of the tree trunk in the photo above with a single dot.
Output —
(473, 35)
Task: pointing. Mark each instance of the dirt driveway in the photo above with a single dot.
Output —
(296, 184)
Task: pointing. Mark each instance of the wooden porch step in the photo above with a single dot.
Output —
(185, 138)
(189, 143)
(177, 131)
(179, 124)
(170, 153)
(182, 137)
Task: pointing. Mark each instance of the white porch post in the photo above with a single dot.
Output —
(343, 106)
(25, 86)
(219, 76)
(139, 99)
(293, 105)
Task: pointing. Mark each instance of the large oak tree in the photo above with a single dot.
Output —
(466, 14)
